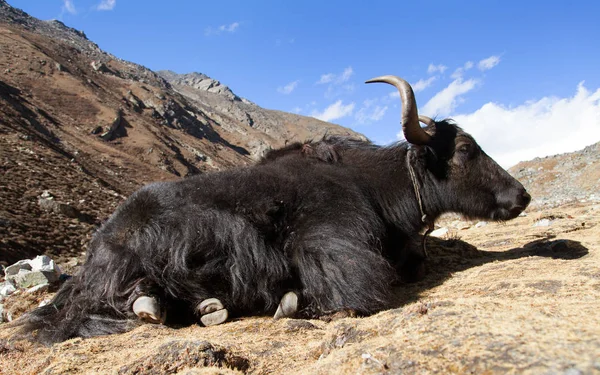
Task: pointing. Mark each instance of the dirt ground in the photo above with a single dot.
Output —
(499, 299)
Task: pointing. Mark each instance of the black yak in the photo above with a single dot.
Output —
(309, 236)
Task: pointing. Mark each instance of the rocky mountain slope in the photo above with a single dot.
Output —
(91, 128)
(560, 179)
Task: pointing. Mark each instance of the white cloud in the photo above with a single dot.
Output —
(335, 78)
(326, 78)
(231, 28)
(436, 68)
(346, 74)
(297, 110)
(458, 73)
(335, 111)
(370, 112)
(489, 63)
(445, 101)
(337, 84)
(107, 5)
(287, 89)
(422, 84)
(69, 7)
(539, 128)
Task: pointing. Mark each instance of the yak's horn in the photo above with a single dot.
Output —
(410, 118)
(426, 120)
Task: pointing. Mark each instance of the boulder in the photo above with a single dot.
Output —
(49, 204)
(33, 272)
(44, 263)
(14, 269)
(29, 279)
(6, 289)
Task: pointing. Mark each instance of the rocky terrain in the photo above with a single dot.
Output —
(561, 179)
(81, 129)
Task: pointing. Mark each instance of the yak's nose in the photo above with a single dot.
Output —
(524, 198)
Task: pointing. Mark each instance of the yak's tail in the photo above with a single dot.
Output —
(96, 301)
(70, 314)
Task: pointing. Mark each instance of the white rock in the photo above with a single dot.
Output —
(44, 263)
(46, 195)
(7, 288)
(1, 313)
(481, 224)
(34, 278)
(542, 223)
(15, 268)
(439, 232)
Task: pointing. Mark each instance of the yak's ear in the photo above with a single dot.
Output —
(425, 153)
(431, 156)
(433, 162)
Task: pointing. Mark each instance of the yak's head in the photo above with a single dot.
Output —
(466, 179)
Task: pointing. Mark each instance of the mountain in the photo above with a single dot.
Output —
(560, 179)
(90, 128)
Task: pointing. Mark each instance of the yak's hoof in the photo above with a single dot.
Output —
(287, 307)
(148, 309)
(212, 312)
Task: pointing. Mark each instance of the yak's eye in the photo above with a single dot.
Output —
(464, 148)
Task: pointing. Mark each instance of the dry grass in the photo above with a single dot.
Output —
(508, 298)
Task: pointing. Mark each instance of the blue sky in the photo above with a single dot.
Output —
(520, 76)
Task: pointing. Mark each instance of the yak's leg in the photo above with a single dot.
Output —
(212, 312)
(147, 303)
(339, 271)
(288, 306)
(412, 268)
(148, 309)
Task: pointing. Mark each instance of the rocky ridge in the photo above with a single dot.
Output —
(561, 179)
(201, 82)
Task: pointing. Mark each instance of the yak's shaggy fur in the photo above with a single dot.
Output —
(327, 230)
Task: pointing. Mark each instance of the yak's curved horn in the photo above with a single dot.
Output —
(410, 118)
(426, 120)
